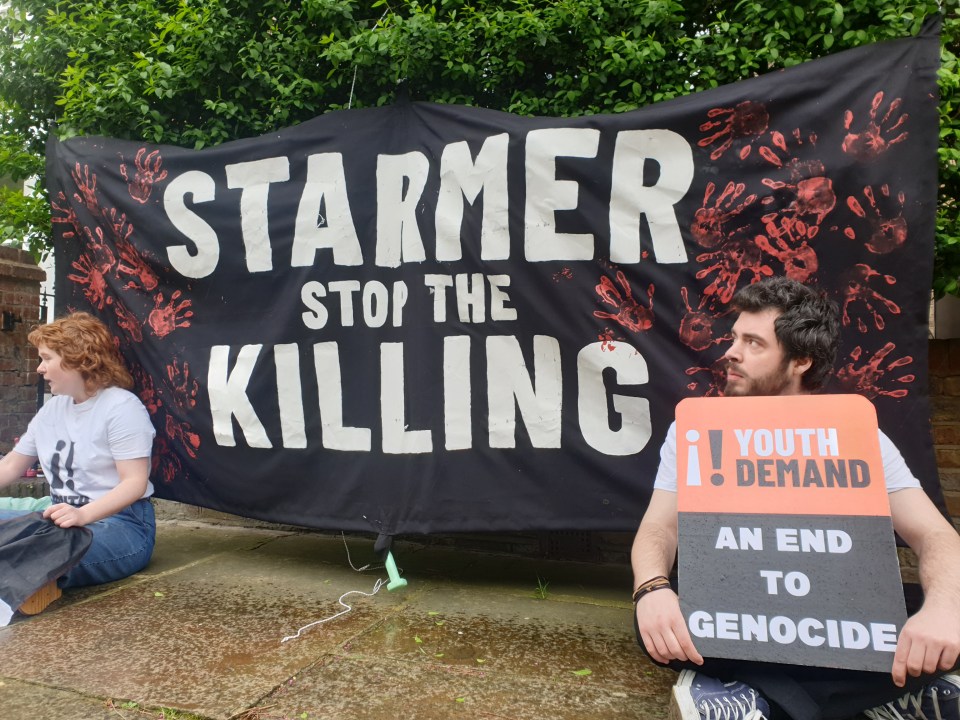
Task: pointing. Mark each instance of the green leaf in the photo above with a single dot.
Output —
(582, 673)
(837, 18)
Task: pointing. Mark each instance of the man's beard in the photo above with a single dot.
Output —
(772, 383)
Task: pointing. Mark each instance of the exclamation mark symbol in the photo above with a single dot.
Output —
(716, 454)
(693, 458)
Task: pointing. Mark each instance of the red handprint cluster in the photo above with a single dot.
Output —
(749, 230)
(119, 278)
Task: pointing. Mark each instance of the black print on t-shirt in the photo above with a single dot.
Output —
(57, 483)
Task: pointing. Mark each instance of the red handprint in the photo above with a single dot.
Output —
(147, 391)
(86, 183)
(886, 233)
(128, 321)
(165, 464)
(716, 379)
(148, 173)
(747, 119)
(871, 142)
(790, 235)
(630, 314)
(184, 434)
(184, 387)
(812, 196)
(865, 379)
(735, 258)
(68, 216)
(857, 290)
(696, 327)
(165, 318)
(89, 275)
(131, 262)
(811, 192)
(711, 223)
(778, 144)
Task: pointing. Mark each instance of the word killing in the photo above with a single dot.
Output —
(511, 389)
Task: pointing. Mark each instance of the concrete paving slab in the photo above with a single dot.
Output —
(205, 638)
(200, 631)
(20, 701)
(521, 645)
(564, 580)
(349, 688)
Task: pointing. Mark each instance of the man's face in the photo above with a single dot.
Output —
(756, 363)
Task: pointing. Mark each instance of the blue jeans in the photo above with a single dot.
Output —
(122, 545)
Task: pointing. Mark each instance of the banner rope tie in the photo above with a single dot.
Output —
(352, 83)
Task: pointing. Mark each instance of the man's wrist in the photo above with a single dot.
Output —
(659, 582)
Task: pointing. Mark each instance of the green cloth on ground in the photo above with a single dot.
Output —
(25, 503)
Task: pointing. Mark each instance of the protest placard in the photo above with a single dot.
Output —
(786, 546)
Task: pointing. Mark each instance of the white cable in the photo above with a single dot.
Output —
(376, 588)
(368, 566)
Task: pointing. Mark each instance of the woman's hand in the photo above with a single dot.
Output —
(65, 515)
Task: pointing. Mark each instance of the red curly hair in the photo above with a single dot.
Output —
(84, 344)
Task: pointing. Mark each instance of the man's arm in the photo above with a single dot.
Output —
(662, 627)
(930, 640)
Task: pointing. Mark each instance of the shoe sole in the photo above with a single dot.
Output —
(39, 601)
(681, 702)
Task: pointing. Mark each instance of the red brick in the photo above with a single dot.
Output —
(19, 293)
(951, 386)
(953, 503)
(950, 480)
(948, 457)
(939, 358)
(953, 352)
(946, 434)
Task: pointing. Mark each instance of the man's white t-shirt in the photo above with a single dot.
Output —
(896, 474)
(78, 444)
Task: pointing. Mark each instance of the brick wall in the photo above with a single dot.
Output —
(945, 418)
(20, 280)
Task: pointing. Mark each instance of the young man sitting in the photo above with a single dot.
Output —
(784, 342)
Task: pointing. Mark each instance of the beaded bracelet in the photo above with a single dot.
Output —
(655, 583)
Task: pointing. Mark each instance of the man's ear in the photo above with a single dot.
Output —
(801, 365)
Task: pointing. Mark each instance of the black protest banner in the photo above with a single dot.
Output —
(786, 547)
(425, 318)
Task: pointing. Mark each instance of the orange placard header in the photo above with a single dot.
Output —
(798, 454)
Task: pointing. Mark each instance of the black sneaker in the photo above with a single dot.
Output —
(699, 697)
(940, 700)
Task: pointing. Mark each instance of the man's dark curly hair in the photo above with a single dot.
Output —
(808, 325)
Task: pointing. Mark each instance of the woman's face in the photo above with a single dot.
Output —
(62, 381)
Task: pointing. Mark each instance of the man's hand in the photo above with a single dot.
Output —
(929, 641)
(65, 516)
(663, 629)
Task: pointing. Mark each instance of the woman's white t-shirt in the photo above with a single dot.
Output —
(78, 444)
